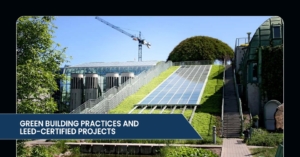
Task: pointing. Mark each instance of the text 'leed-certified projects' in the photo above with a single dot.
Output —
(96, 126)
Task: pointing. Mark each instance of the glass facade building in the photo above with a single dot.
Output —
(100, 68)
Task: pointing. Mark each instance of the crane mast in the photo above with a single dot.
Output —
(139, 39)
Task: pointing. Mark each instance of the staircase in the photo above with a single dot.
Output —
(232, 121)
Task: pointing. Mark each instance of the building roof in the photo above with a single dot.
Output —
(115, 64)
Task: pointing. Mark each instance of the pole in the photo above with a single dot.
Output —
(214, 134)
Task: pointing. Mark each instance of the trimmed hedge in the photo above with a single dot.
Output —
(200, 48)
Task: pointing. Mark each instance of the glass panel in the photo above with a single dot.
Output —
(254, 72)
(276, 32)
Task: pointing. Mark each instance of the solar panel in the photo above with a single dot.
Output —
(182, 87)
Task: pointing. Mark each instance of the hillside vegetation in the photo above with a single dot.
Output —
(200, 48)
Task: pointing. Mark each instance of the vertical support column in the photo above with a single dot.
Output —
(259, 66)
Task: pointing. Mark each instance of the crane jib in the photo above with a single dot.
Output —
(141, 41)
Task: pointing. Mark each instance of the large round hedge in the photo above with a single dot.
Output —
(200, 48)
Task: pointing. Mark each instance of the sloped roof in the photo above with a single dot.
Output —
(115, 64)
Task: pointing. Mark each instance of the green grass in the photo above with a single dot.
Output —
(261, 137)
(206, 115)
(263, 152)
(129, 102)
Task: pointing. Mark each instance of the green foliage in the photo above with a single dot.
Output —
(186, 152)
(21, 149)
(263, 152)
(272, 72)
(200, 48)
(126, 105)
(47, 151)
(38, 64)
(43, 151)
(261, 137)
(75, 152)
(60, 144)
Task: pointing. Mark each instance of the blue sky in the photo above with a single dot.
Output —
(89, 40)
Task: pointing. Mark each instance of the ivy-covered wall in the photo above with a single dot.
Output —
(272, 72)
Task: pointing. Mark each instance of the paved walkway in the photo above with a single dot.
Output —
(233, 147)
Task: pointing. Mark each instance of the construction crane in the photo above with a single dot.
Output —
(139, 39)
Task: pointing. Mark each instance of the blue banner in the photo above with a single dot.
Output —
(96, 126)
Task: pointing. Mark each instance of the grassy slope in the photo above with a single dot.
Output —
(206, 114)
(126, 105)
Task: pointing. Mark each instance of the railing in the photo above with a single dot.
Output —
(222, 112)
(115, 95)
(239, 101)
(238, 41)
(279, 152)
(200, 62)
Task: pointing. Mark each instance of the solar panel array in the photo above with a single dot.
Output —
(182, 87)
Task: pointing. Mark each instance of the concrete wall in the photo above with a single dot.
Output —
(75, 98)
(253, 98)
(118, 149)
(91, 93)
(239, 55)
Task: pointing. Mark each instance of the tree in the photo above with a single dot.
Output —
(38, 62)
(200, 48)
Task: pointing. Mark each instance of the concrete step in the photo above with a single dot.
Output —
(237, 116)
(231, 104)
(232, 133)
(232, 136)
(232, 129)
(232, 113)
(231, 126)
(230, 110)
(232, 122)
(235, 123)
(228, 123)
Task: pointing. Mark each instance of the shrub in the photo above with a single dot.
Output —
(261, 137)
(200, 48)
(187, 152)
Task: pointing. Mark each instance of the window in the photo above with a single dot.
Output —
(276, 32)
(253, 72)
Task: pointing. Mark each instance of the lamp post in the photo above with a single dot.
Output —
(248, 37)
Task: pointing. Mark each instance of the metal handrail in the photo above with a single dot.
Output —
(222, 112)
(239, 101)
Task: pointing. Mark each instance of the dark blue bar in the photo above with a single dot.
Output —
(144, 126)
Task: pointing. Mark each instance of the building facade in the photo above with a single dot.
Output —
(97, 78)
(248, 63)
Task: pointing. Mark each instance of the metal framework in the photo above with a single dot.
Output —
(139, 39)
